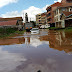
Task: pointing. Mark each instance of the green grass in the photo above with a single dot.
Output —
(68, 29)
(53, 28)
(20, 32)
(7, 32)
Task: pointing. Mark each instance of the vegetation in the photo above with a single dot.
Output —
(52, 28)
(34, 23)
(68, 29)
(6, 32)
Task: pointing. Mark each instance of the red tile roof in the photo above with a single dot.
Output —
(53, 5)
(66, 5)
(14, 18)
(63, 5)
(8, 23)
(67, 13)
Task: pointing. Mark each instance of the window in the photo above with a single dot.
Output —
(71, 9)
(63, 9)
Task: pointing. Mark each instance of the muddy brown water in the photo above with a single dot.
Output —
(49, 51)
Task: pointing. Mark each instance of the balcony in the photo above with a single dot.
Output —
(49, 17)
(49, 22)
(48, 12)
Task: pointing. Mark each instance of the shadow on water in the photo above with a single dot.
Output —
(49, 52)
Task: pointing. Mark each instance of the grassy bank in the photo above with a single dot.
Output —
(68, 29)
(7, 32)
(54, 28)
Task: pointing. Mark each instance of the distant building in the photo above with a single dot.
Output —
(11, 22)
(38, 19)
(43, 18)
(50, 13)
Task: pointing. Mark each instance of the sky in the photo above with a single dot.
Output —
(17, 8)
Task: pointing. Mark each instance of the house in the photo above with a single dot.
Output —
(11, 22)
(64, 9)
(50, 13)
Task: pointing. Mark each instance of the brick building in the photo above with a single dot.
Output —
(50, 13)
(62, 14)
(43, 18)
(38, 19)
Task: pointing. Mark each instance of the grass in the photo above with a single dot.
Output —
(52, 28)
(7, 32)
(68, 29)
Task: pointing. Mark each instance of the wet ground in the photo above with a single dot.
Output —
(49, 51)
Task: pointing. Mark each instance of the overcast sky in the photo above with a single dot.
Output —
(14, 8)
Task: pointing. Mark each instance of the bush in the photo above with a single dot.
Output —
(7, 30)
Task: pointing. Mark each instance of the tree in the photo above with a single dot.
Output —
(34, 23)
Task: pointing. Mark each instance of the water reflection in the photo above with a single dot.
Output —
(61, 40)
(48, 53)
(11, 41)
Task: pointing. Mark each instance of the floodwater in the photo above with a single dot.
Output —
(49, 51)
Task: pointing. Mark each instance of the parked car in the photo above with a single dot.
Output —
(45, 26)
(34, 31)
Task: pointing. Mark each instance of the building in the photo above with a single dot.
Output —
(38, 19)
(50, 13)
(11, 22)
(43, 18)
(66, 19)
(62, 14)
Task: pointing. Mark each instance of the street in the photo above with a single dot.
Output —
(49, 51)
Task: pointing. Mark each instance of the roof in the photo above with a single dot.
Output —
(67, 13)
(8, 23)
(64, 5)
(53, 5)
(14, 18)
(66, 1)
(43, 13)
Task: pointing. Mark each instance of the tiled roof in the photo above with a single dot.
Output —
(63, 5)
(66, 5)
(53, 5)
(8, 23)
(67, 13)
(14, 18)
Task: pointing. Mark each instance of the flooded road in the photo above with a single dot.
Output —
(49, 51)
